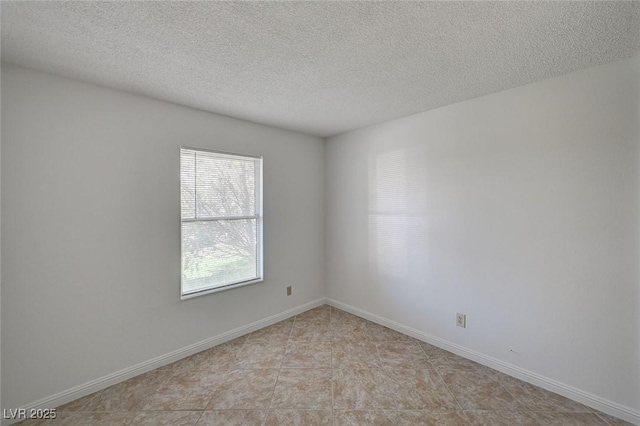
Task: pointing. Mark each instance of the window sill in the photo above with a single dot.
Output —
(218, 289)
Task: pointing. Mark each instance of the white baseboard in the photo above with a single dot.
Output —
(127, 373)
(570, 392)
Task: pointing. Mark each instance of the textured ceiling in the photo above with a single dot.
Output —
(317, 67)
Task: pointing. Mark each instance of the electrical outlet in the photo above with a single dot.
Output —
(461, 320)
(289, 291)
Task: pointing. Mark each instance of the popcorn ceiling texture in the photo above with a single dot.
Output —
(317, 67)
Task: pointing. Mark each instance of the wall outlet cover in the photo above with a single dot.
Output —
(461, 320)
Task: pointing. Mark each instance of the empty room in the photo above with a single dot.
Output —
(320, 213)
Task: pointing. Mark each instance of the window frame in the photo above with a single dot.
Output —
(258, 217)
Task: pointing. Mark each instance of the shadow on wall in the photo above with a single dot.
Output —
(398, 223)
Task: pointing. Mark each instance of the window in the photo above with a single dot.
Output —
(221, 206)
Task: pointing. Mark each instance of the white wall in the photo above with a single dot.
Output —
(91, 230)
(519, 209)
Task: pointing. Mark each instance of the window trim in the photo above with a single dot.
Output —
(259, 220)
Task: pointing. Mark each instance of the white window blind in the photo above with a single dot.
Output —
(221, 210)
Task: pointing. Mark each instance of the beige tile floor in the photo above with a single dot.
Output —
(325, 367)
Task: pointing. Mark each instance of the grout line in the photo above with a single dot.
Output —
(602, 418)
(280, 367)
(512, 395)
(200, 417)
(225, 373)
(93, 396)
(442, 380)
